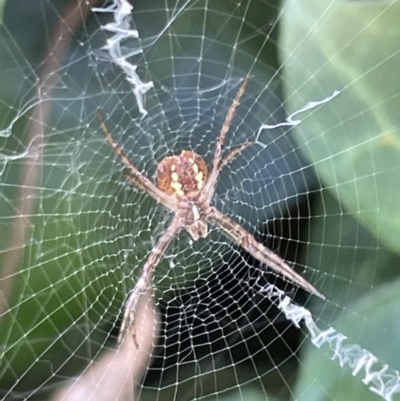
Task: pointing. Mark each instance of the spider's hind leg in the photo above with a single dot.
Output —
(131, 306)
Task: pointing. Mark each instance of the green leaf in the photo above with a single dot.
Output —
(354, 141)
(354, 263)
(2, 5)
(351, 258)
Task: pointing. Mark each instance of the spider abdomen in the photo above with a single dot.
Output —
(182, 175)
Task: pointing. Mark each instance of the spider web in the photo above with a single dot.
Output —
(319, 186)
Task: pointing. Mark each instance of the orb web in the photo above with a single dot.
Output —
(319, 187)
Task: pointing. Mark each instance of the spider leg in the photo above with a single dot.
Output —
(136, 177)
(212, 179)
(227, 159)
(131, 305)
(243, 238)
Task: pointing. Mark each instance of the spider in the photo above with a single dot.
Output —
(186, 187)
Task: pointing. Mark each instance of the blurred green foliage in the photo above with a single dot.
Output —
(2, 4)
(354, 145)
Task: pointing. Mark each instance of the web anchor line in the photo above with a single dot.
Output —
(121, 30)
(291, 122)
(380, 378)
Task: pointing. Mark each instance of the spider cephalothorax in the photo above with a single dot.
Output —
(186, 187)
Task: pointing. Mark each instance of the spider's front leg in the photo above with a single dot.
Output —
(131, 305)
(233, 154)
(135, 176)
(218, 163)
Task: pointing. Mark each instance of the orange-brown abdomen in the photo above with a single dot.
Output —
(182, 174)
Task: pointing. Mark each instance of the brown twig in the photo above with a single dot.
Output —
(114, 374)
(70, 21)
